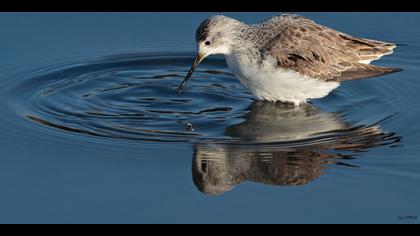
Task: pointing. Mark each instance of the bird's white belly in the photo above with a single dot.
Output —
(275, 84)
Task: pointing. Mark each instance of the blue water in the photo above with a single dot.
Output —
(92, 130)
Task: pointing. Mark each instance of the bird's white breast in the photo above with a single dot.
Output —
(269, 82)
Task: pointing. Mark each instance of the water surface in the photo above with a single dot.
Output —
(93, 130)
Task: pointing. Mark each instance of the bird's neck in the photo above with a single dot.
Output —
(248, 37)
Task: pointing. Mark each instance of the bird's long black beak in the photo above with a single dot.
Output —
(197, 61)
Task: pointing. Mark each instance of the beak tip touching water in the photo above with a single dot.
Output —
(178, 91)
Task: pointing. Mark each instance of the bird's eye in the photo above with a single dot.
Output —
(207, 43)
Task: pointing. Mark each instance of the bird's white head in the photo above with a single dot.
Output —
(215, 35)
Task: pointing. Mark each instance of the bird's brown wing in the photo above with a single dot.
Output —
(324, 53)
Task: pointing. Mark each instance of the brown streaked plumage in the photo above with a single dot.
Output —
(324, 53)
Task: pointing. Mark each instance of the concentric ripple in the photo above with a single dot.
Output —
(133, 97)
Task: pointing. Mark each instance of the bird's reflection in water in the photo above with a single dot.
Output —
(281, 145)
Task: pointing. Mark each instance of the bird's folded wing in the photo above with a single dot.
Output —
(323, 53)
